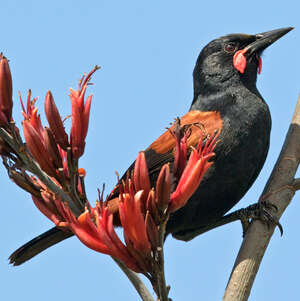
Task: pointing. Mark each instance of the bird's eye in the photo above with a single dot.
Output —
(230, 47)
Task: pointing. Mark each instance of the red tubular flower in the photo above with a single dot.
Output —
(163, 188)
(95, 229)
(6, 103)
(48, 207)
(152, 231)
(55, 122)
(80, 115)
(133, 221)
(63, 155)
(46, 201)
(193, 173)
(181, 135)
(140, 175)
(38, 150)
(151, 206)
(31, 113)
(52, 149)
(85, 230)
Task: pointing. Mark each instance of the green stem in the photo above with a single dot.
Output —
(163, 291)
(136, 281)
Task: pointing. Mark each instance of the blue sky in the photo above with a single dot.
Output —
(147, 51)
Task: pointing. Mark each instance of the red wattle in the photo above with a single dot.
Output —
(239, 61)
(259, 65)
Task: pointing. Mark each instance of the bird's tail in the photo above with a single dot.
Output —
(38, 245)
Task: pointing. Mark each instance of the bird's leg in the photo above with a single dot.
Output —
(260, 210)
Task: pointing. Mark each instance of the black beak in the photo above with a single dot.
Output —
(265, 39)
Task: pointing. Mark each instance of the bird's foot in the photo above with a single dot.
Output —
(260, 211)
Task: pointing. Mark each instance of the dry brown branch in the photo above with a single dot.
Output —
(279, 191)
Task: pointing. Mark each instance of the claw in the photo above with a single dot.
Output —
(267, 217)
(269, 205)
(261, 212)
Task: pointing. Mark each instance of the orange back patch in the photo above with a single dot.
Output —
(208, 123)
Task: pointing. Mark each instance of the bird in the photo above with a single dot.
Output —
(226, 99)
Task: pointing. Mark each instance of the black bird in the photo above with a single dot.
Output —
(225, 98)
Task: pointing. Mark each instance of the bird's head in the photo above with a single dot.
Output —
(231, 59)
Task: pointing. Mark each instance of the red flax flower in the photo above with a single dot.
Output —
(133, 221)
(6, 102)
(55, 122)
(95, 229)
(181, 135)
(163, 190)
(193, 173)
(48, 206)
(47, 202)
(31, 113)
(40, 140)
(80, 115)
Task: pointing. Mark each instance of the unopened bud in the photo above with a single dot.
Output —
(55, 122)
(6, 102)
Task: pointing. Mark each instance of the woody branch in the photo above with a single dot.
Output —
(279, 191)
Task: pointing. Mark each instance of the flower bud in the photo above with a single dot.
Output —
(6, 102)
(55, 122)
(163, 188)
(37, 148)
(140, 175)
